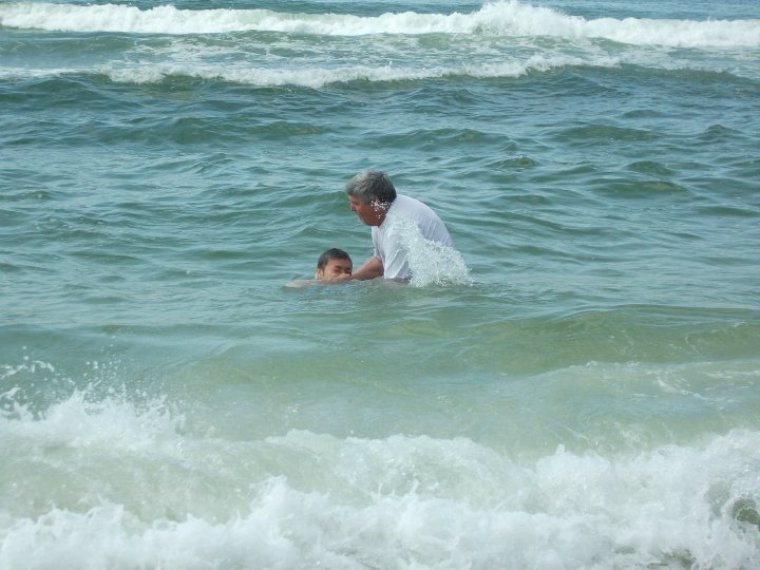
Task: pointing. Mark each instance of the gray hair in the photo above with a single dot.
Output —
(371, 185)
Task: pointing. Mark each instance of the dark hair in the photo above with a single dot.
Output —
(371, 185)
(329, 255)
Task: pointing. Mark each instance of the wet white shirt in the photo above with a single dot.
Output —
(407, 221)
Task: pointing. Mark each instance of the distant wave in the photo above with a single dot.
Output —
(510, 18)
(315, 76)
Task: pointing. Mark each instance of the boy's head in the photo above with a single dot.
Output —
(334, 265)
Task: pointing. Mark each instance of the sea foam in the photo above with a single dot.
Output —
(315, 75)
(507, 19)
(500, 40)
(119, 485)
(418, 502)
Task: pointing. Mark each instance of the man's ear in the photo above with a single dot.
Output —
(318, 274)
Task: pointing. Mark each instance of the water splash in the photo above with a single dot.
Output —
(431, 263)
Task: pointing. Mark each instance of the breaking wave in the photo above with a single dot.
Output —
(510, 18)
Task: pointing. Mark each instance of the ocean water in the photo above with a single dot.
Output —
(585, 393)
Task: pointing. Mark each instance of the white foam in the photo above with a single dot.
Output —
(81, 421)
(509, 19)
(303, 500)
(423, 503)
(27, 366)
(313, 76)
(497, 41)
(514, 18)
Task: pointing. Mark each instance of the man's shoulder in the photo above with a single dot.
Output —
(409, 204)
(404, 199)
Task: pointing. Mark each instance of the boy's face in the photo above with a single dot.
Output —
(335, 270)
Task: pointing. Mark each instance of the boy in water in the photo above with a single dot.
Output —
(333, 265)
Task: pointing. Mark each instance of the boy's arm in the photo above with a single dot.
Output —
(371, 269)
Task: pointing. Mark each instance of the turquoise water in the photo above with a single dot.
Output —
(585, 395)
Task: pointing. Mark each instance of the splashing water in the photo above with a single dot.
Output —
(431, 263)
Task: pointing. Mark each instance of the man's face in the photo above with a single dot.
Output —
(371, 214)
(335, 270)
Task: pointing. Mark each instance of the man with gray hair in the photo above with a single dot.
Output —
(396, 221)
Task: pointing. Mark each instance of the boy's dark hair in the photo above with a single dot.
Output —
(330, 254)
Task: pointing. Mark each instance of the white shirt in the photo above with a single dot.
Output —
(408, 224)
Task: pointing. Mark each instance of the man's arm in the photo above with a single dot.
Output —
(371, 269)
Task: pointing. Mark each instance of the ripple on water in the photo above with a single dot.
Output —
(636, 189)
(650, 167)
(592, 134)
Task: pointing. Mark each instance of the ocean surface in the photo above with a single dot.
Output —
(582, 393)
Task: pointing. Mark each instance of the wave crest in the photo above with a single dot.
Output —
(510, 18)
